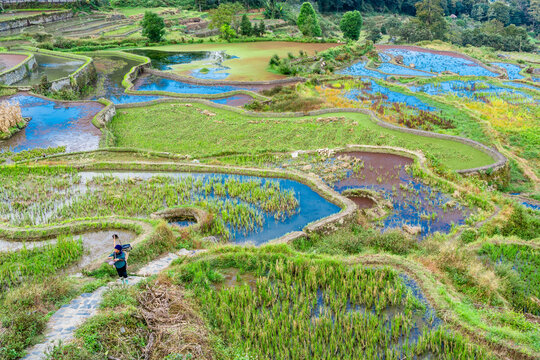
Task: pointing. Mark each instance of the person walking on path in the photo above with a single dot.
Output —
(118, 259)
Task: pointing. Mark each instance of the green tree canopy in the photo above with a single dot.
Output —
(499, 11)
(245, 26)
(224, 14)
(430, 19)
(350, 24)
(308, 22)
(153, 26)
(227, 32)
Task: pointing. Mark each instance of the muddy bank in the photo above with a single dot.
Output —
(7, 61)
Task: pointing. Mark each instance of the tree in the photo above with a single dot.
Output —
(153, 26)
(479, 11)
(224, 14)
(374, 35)
(350, 24)
(499, 11)
(245, 26)
(430, 19)
(308, 22)
(259, 30)
(534, 13)
(227, 32)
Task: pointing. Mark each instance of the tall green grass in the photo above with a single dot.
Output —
(298, 307)
(38, 263)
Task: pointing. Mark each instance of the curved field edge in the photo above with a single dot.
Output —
(348, 208)
(87, 61)
(101, 159)
(455, 152)
(498, 340)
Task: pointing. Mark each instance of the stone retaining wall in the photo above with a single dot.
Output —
(19, 72)
(37, 19)
(84, 75)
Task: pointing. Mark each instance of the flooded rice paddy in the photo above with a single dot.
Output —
(156, 83)
(111, 71)
(375, 92)
(473, 89)
(414, 203)
(512, 70)
(53, 67)
(253, 209)
(53, 124)
(436, 61)
(210, 61)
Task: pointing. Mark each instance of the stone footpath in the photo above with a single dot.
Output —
(63, 323)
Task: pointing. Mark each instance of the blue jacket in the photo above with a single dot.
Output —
(121, 255)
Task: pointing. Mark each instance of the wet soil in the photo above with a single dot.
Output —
(362, 202)
(379, 168)
(7, 61)
(236, 100)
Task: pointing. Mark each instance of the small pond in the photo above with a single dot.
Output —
(388, 96)
(438, 62)
(156, 83)
(55, 123)
(53, 67)
(512, 70)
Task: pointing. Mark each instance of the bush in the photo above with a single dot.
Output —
(153, 26)
(308, 22)
(350, 25)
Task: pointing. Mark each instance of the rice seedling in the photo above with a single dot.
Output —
(31, 198)
(38, 263)
(302, 307)
(521, 265)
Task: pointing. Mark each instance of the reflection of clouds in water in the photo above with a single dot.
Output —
(55, 124)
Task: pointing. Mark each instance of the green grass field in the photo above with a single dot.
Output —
(179, 129)
(253, 58)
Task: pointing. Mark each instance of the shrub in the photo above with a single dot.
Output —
(350, 25)
(153, 26)
(308, 22)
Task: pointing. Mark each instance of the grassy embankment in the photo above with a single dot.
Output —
(177, 128)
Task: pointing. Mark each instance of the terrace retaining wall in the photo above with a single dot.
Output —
(19, 72)
(84, 75)
(37, 19)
